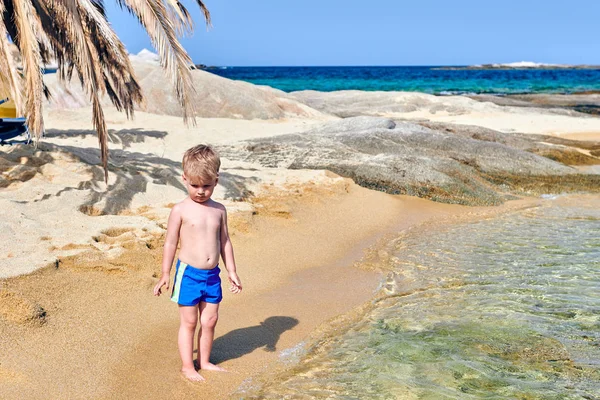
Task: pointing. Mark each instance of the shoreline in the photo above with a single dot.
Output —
(341, 354)
(139, 354)
(374, 259)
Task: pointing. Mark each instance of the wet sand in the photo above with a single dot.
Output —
(102, 334)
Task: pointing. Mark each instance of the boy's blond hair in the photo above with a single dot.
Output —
(202, 162)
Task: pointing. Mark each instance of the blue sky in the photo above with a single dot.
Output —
(384, 32)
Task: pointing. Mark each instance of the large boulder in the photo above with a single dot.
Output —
(402, 158)
(215, 97)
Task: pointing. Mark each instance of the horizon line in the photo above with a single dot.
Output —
(541, 65)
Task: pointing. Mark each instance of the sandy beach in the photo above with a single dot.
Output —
(102, 324)
(78, 258)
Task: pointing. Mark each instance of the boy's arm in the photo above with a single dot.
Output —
(227, 256)
(170, 247)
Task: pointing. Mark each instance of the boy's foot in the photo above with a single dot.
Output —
(212, 367)
(192, 375)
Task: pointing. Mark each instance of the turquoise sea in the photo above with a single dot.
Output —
(434, 80)
(502, 308)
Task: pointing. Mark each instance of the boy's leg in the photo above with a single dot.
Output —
(209, 314)
(187, 327)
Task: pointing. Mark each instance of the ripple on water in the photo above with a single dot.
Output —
(503, 308)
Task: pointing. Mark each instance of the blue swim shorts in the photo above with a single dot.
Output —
(193, 285)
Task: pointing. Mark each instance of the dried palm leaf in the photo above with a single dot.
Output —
(205, 12)
(77, 35)
(182, 20)
(153, 16)
(10, 80)
(90, 48)
(27, 28)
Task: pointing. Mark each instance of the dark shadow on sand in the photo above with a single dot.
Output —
(133, 171)
(125, 137)
(240, 342)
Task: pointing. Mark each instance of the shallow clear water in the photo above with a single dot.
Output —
(418, 79)
(497, 309)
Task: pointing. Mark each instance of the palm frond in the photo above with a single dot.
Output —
(99, 82)
(153, 16)
(45, 46)
(100, 125)
(77, 35)
(28, 31)
(117, 72)
(10, 81)
(89, 47)
(182, 20)
(205, 12)
(94, 15)
(73, 48)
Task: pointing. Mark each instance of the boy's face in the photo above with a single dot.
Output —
(199, 189)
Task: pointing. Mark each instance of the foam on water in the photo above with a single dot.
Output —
(501, 308)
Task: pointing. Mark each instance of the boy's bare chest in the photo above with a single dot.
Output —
(205, 222)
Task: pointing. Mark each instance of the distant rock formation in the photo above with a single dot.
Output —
(206, 67)
(519, 65)
(352, 103)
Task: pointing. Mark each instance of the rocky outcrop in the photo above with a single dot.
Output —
(351, 103)
(218, 97)
(403, 158)
(565, 151)
(588, 103)
(414, 105)
(215, 97)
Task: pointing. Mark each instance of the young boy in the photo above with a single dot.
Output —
(199, 225)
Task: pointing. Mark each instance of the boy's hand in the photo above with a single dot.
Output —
(236, 283)
(164, 280)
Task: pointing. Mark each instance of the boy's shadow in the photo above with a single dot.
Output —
(243, 341)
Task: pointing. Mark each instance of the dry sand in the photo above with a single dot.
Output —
(515, 119)
(64, 179)
(592, 136)
(87, 325)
